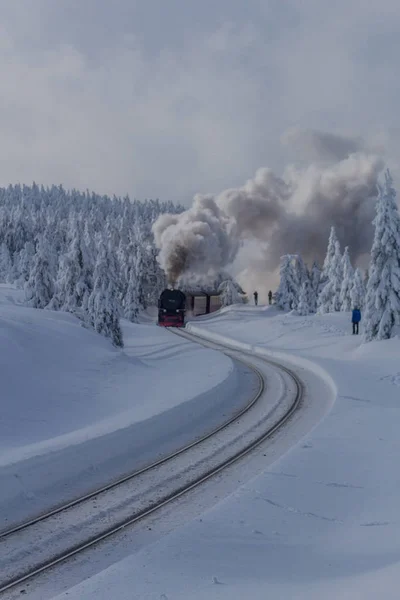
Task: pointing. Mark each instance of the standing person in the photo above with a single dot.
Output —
(255, 298)
(355, 319)
(270, 297)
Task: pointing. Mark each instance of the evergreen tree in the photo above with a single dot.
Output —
(132, 297)
(348, 281)
(315, 278)
(230, 293)
(301, 275)
(330, 253)
(357, 292)
(382, 311)
(329, 298)
(306, 299)
(26, 259)
(103, 310)
(69, 294)
(287, 293)
(326, 269)
(39, 288)
(5, 263)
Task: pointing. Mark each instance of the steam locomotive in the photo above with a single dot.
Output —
(171, 308)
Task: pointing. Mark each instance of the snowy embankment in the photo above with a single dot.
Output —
(76, 412)
(323, 521)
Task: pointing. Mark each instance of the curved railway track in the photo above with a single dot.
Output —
(101, 514)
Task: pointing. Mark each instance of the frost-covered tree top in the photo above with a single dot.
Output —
(382, 310)
(330, 252)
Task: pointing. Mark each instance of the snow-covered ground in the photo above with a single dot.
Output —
(323, 520)
(76, 412)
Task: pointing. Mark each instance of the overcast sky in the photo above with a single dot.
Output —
(166, 98)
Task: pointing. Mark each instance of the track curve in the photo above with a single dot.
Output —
(28, 570)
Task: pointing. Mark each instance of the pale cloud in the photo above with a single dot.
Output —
(156, 98)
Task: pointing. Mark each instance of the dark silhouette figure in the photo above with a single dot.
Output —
(269, 297)
(255, 298)
(355, 319)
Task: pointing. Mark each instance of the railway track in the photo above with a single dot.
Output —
(40, 544)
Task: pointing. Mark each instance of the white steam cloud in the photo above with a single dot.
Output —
(288, 214)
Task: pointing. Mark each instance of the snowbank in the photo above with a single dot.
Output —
(98, 410)
(322, 522)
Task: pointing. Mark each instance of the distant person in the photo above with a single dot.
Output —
(355, 319)
(270, 297)
(256, 298)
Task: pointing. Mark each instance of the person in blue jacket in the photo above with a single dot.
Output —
(355, 319)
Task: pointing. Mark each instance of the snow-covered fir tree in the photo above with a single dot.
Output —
(230, 293)
(39, 288)
(306, 299)
(131, 307)
(326, 268)
(382, 311)
(301, 275)
(330, 253)
(71, 285)
(329, 298)
(348, 281)
(26, 258)
(315, 278)
(357, 292)
(5, 263)
(287, 293)
(103, 310)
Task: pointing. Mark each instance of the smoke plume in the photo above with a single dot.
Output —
(200, 241)
(288, 214)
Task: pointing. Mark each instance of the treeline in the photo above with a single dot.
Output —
(80, 252)
(337, 286)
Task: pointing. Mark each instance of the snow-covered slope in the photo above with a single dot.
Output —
(322, 522)
(75, 411)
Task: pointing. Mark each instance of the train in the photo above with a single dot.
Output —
(171, 308)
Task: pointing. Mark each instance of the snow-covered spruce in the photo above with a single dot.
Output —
(301, 275)
(287, 293)
(326, 267)
(329, 298)
(347, 282)
(330, 253)
(382, 310)
(306, 299)
(230, 293)
(102, 311)
(39, 288)
(357, 292)
(315, 278)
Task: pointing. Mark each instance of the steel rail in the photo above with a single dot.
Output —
(179, 492)
(59, 509)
